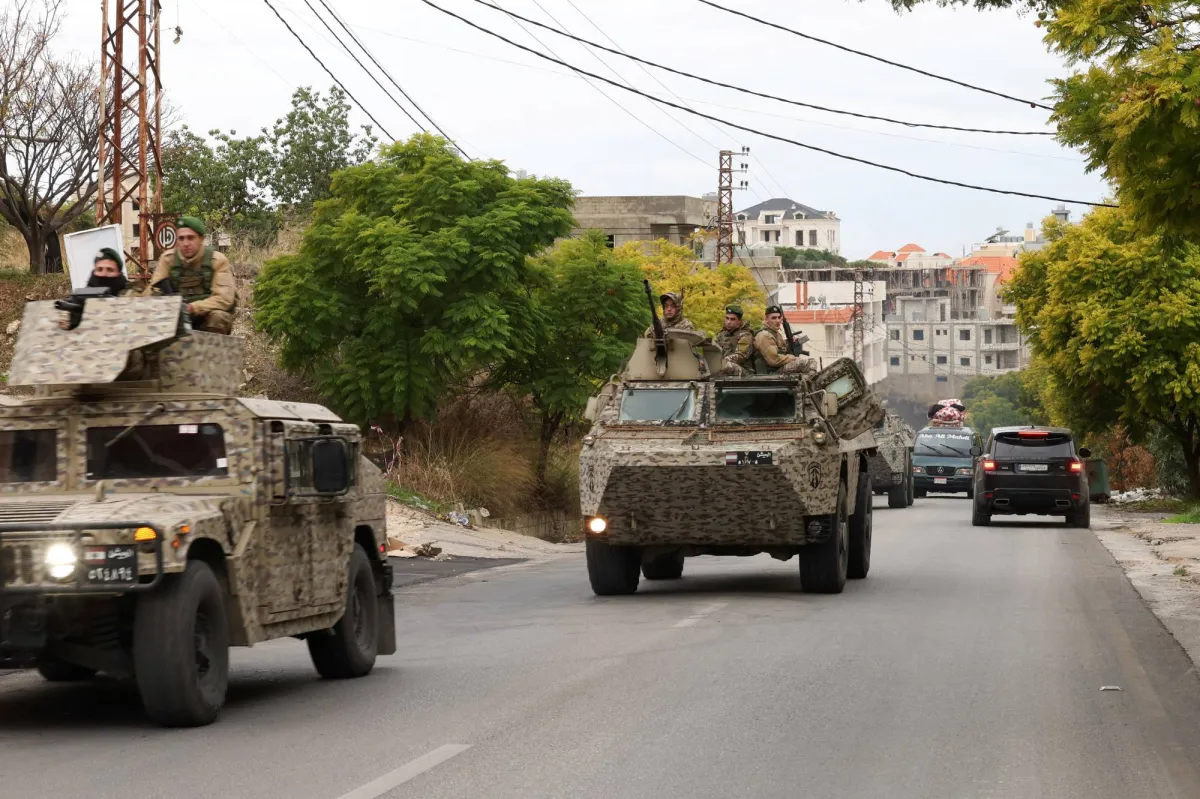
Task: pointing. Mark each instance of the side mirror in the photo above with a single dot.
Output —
(330, 466)
(829, 404)
(976, 451)
(589, 413)
(1085, 453)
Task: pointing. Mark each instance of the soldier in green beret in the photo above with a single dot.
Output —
(201, 274)
(736, 341)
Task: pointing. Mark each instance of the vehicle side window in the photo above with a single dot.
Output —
(28, 456)
(156, 451)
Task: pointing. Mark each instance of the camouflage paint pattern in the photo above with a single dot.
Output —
(678, 482)
(891, 463)
(286, 555)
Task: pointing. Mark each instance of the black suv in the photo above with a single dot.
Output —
(1031, 470)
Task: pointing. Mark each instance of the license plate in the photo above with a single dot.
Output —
(941, 481)
(1034, 467)
(111, 565)
(748, 458)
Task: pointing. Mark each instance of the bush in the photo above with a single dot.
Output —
(1170, 468)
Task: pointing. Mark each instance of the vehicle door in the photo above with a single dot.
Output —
(858, 408)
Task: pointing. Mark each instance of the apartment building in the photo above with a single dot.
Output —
(786, 223)
(824, 311)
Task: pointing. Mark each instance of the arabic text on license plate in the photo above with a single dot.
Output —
(939, 481)
(111, 565)
(1034, 467)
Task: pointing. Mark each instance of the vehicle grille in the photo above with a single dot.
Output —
(942, 470)
(31, 512)
(16, 564)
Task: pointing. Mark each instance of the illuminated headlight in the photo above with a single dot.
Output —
(61, 561)
(918, 470)
(819, 436)
(597, 524)
(965, 471)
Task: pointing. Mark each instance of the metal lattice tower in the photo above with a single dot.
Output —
(859, 319)
(725, 209)
(130, 149)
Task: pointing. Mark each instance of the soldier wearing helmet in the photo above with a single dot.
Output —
(673, 318)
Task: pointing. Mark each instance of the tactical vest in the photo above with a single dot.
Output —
(195, 285)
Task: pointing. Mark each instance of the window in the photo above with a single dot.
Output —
(300, 461)
(741, 217)
(610, 241)
(964, 361)
(894, 360)
(941, 378)
(137, 229)
(987, 336)
(945, 444)
(755, 402)
(964, 335)
(742, 238)
(769, 219)
(657, 404)
(1011, 445)
(918, 335)
(941, 359)
(799, 238)
(133, 204)
(766, 235)
(28, 456)
(165, 450)
(895, 334)
(812, 238)
(941, 331)
(987, 359)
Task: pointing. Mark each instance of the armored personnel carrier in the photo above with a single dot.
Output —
(681, 461)
(150, 518)
(891, 465)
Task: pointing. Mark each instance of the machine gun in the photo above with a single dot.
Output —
(795, 344)
(660, 333)
(73, 305)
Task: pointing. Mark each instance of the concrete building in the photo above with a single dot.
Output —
(824, 311)
(787, 223)
(626, 219)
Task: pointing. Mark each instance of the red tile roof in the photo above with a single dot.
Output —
(942, 255)
(912, 248)
(826, 316)
(880, 255)
(903, 256)
(1000, 265)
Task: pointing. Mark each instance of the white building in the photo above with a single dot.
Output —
(824, 311)
(787, 223)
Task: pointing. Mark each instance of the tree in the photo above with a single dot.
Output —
(413, 275)
(706, 292)
(1115, 315)
(49, 128)
(590, 310)
(1135, 109)
(310, 144)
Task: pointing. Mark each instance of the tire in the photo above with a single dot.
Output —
(823, 566)
(1082, 519)
(979, 517)
(898, 495)
(912, 484)
(971, 492)
(349, 651)
(664, 567)
(861, 529)
(612, 570)
(54, 670)
(181, 648)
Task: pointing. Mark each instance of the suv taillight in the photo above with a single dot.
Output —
(1076, 466)
(989, 466)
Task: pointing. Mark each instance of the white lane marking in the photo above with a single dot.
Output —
(394, 779)
(700, 614)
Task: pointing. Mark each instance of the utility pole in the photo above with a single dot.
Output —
(725, 187)
(130, 147)
(859, 319)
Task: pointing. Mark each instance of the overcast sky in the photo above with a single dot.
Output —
(236, 65)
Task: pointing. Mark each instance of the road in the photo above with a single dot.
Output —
(969, 664)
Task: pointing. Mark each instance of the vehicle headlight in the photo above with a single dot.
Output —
(918, 470)
(819, 436)
(966, 471)
(61, 561)
(597, 524)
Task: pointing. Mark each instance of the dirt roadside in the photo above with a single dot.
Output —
(414, 529)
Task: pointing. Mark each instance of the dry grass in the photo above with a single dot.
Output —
(14, 255)
(16, 288)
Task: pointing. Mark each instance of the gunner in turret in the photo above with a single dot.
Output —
(202, 275)
(673, 318)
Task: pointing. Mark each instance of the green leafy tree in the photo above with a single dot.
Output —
(1114, 314)
(1134, 106)
(992, 410)
(413, 275)
(310, 144)
(590, 309)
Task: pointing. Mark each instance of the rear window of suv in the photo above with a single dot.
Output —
(1012, 445)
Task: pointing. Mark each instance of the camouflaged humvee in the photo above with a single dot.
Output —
(150, 518)
(891, 465)
(679, 464)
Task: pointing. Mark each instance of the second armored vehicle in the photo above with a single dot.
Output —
(891, 465)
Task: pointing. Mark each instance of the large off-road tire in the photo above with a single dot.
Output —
(862, 525)
(664, 567)
(55, 670)
(181, 648)
(823, 566)
(910, 481)
(612, 569)
(349, 650)
(898, 495)
(979, 516)
(1081, 519)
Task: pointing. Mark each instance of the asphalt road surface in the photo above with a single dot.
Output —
(969, 664)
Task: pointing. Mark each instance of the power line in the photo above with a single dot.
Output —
(331, 75)
(896, 64)
(387, 74)
(764, 94)
(764, 134)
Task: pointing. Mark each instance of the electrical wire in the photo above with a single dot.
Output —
(327, 70)
(387, 74)
(842, 47)
(764, 95)
(764, 134)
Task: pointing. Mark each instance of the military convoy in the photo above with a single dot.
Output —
(150, 518)
(891, 465)
(682, 461)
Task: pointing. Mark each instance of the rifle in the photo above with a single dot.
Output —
(794, 347)
(660, 334)
(73, 305)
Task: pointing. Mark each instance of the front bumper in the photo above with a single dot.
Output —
(22, 569)
(1039, 501)
(951, 483)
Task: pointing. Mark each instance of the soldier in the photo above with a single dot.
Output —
(673, 318)
(736, 341)
(772, 346)
(107, 272)
(201, 275)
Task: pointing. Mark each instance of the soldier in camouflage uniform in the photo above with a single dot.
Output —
(736, 341)
(673, 318)
(202, 275)
(108, 271)
(772, 346)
